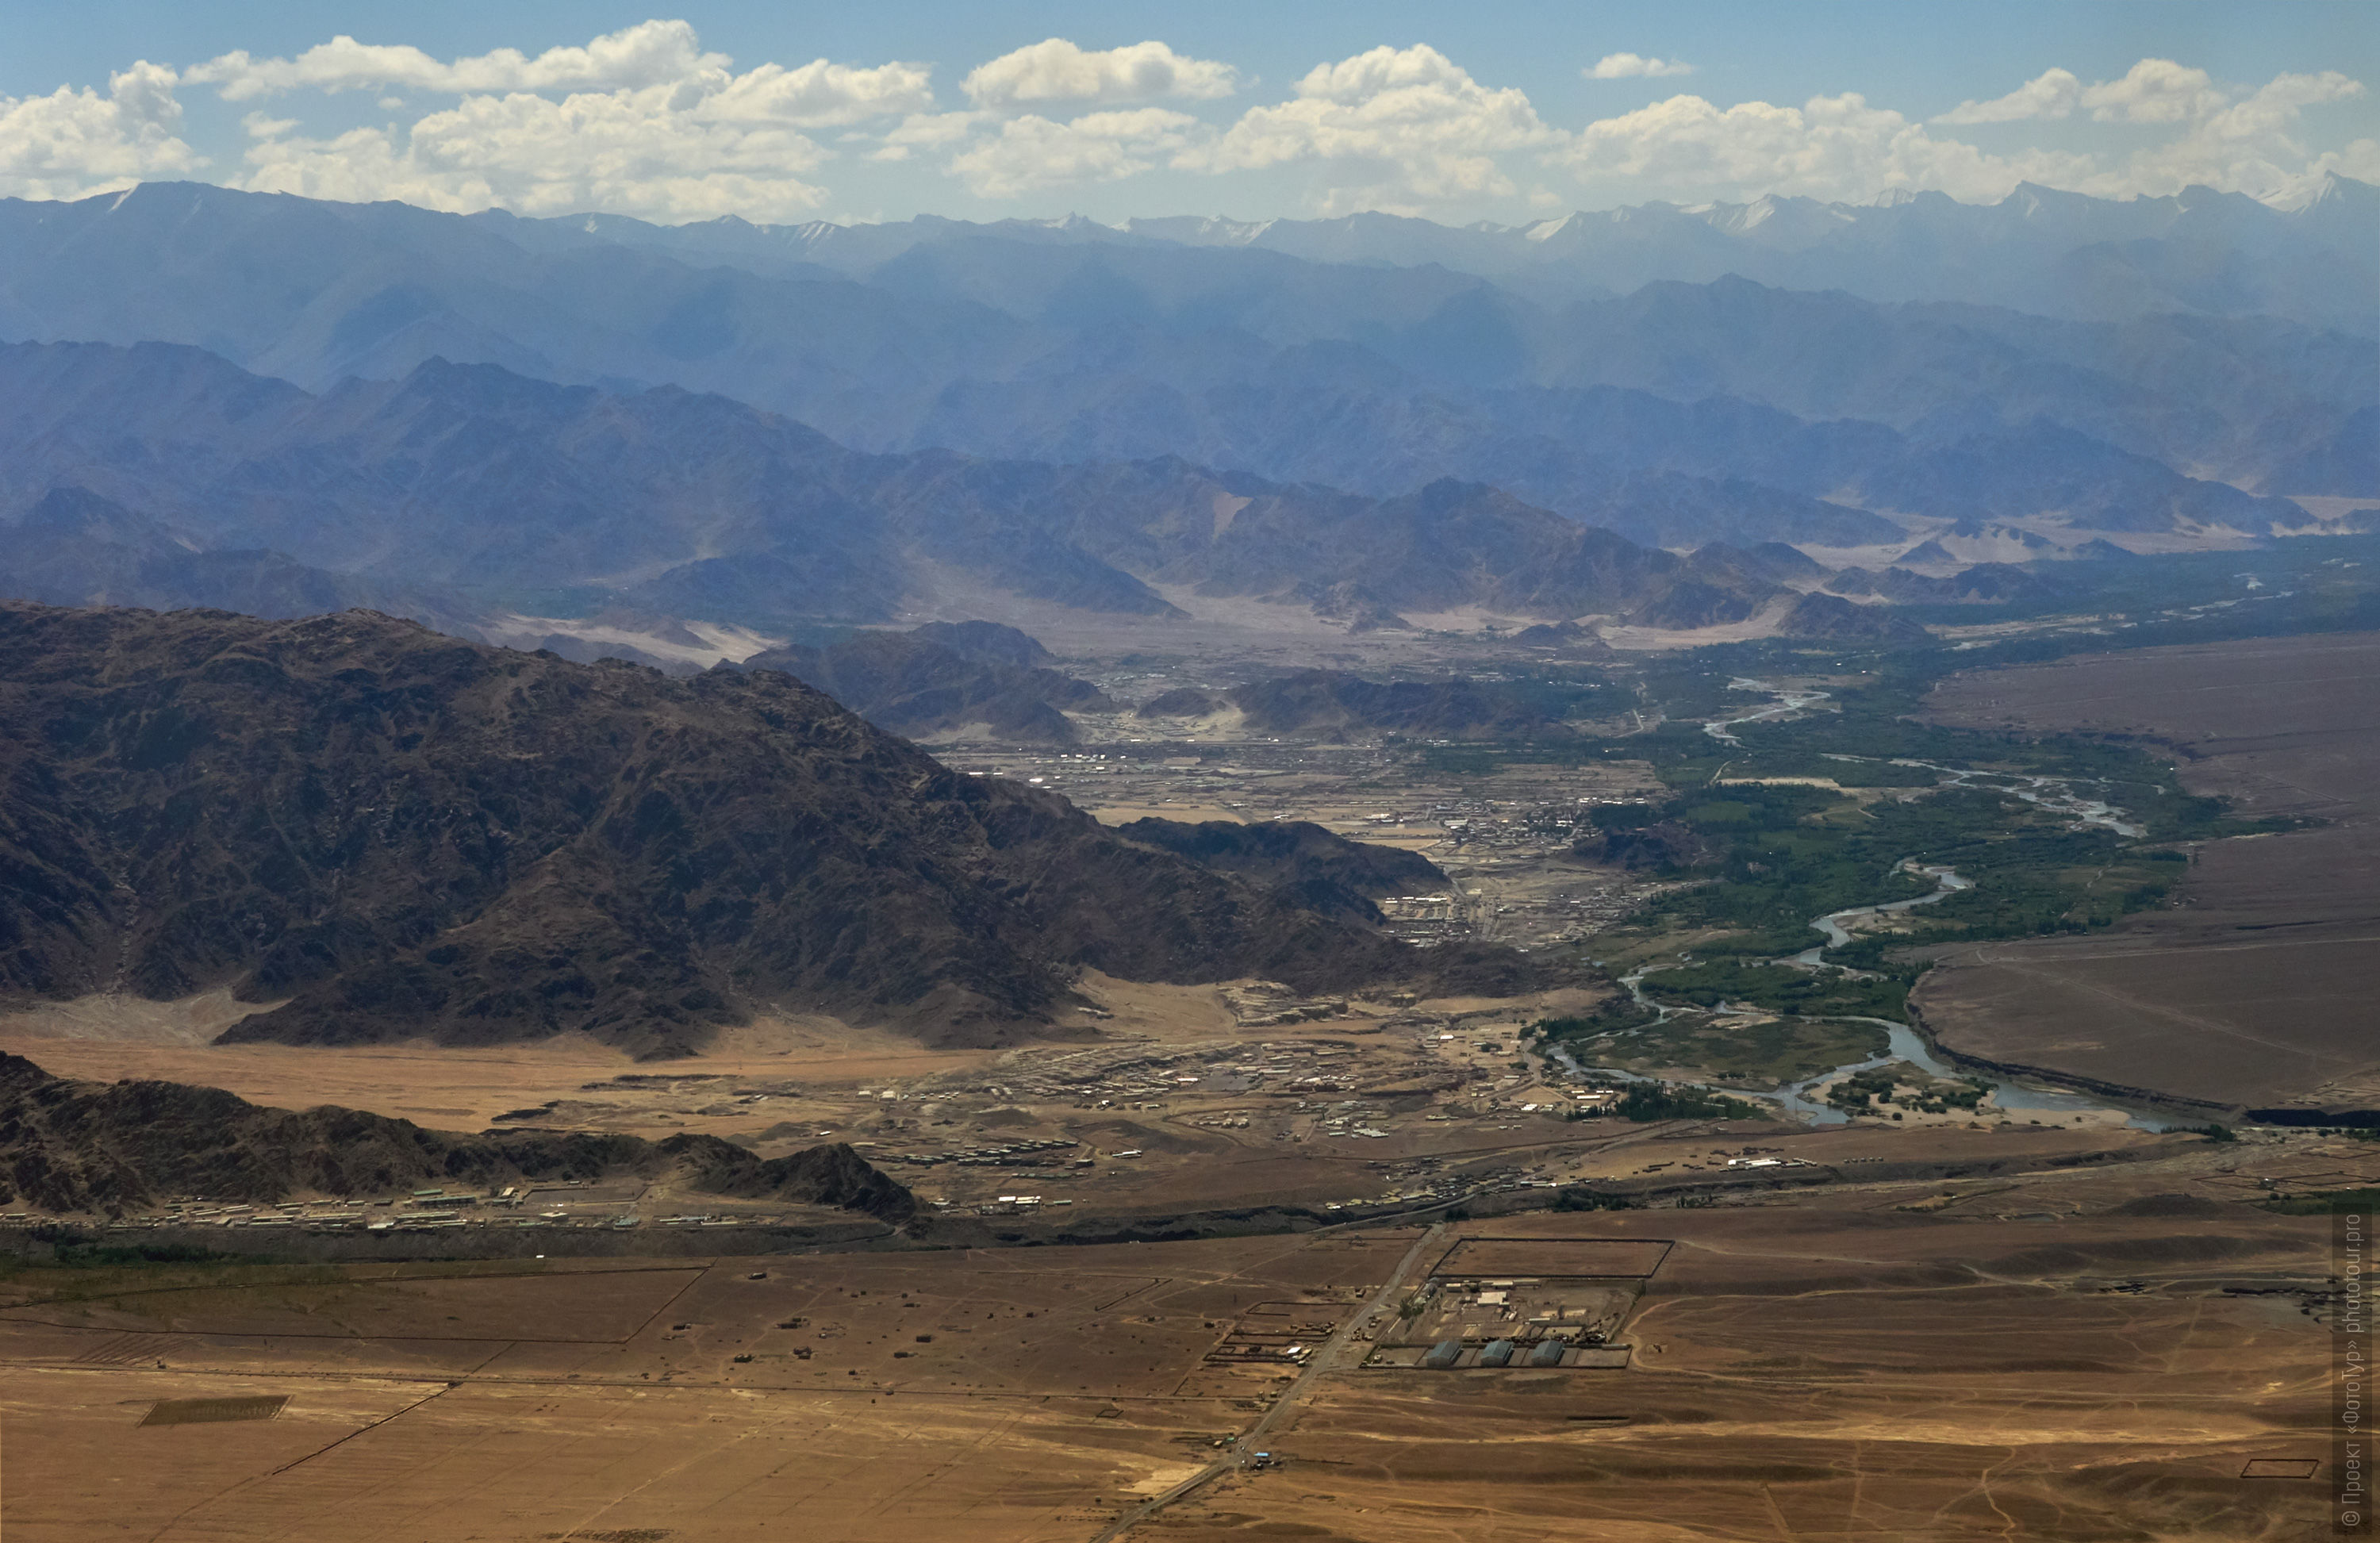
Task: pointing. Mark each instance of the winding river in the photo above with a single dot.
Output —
(1947, 883)
(1790, 700)
(2056, 795)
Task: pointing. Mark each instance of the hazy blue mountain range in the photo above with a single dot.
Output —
(470, 480)
(1372, 355)
(2038, 250)
(75, 548)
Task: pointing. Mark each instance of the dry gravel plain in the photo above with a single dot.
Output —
(1845, 1369)
(2259, 987)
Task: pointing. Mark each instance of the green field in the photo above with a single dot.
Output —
(1780, 989)
(1777, 1050)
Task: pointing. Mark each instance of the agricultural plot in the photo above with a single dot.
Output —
(1756, 1050)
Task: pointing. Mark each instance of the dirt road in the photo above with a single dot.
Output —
(1319, 1364)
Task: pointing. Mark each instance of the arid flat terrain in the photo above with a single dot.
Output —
(1879, 1365)
(2256, 987)
(1848, 1375)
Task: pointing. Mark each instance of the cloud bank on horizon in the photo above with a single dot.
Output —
(644, 121)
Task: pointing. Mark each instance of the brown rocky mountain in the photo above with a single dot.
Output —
(944, 677)
(1821, 617)
(1298, 861)
(109, 1147)
(373, 832)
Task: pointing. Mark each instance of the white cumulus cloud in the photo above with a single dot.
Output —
(1627, 66)
(1404, 129)
(652, 54)
(628, 151)
(1831, 147)
(819, 94)
(1033, 152)
(2051, 94)
(2250, 146)
(926, 131)
(73, 142)
(649, 53)
(640, 121)
(1057, 70)
(644, 120)
(2155, 90)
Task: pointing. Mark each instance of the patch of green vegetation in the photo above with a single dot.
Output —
(1796, 853)
(1464, 761)
(1871, 1091)
(1862, 771)
(1783, 988)
(1648, 1100)
(85, 1270)
(2325, 1203)
(93, 1279)
(1869, 716)
(1779, 1050)
(1615, 1015)
(1493, 758)
(1564, 694)
(1576, 1199)
(91, 1255)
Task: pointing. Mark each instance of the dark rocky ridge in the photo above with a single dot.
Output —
(1300, 861)
(394, 834)
(1981, 584)
(111, 1148)
(945, 677)
(1830, 618)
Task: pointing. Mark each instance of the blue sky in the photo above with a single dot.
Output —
(1508, 112)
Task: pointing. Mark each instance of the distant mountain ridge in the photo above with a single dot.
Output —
(468, 480)
(74, 547)
(1720, 399)
(2038, 250)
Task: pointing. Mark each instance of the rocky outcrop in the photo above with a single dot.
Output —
(107, 1148)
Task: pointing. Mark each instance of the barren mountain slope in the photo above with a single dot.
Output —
(403, 835)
